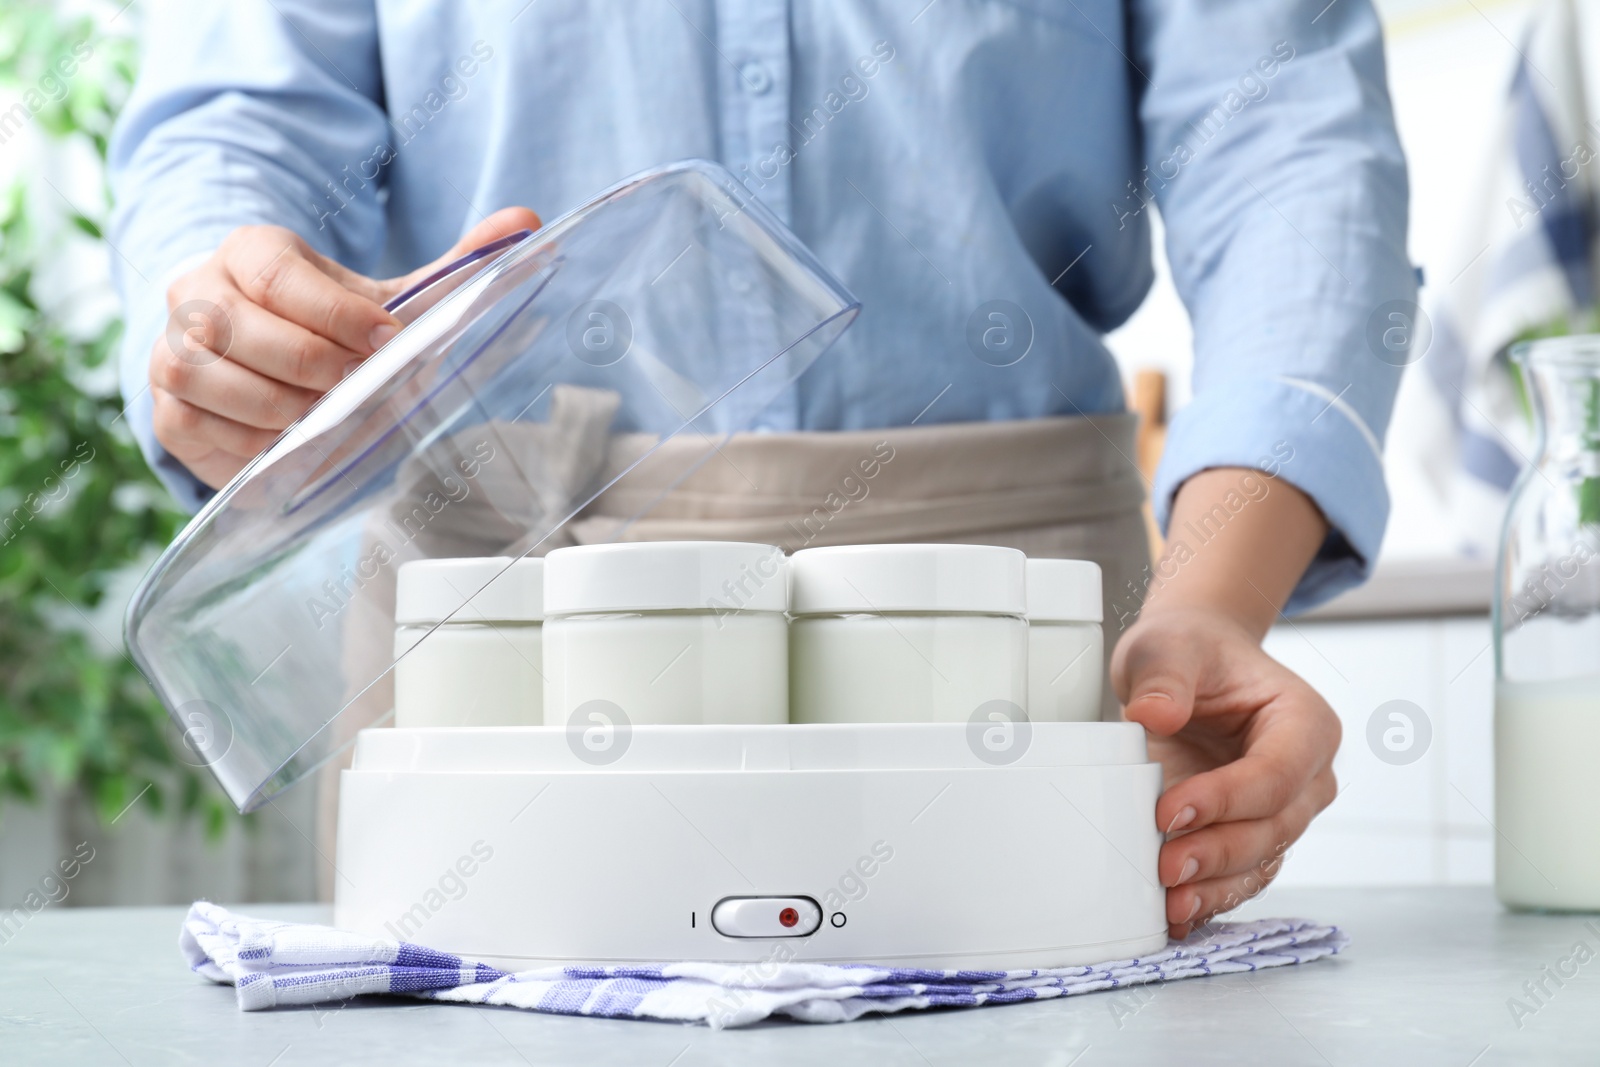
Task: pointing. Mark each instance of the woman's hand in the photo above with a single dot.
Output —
(263, 328)
(1247, 746)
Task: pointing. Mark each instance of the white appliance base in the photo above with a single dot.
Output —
(503, 845)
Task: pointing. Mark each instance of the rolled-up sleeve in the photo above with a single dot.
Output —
(245, 113)
(1273, 157)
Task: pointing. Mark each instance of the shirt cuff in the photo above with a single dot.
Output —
(189, 492)
(1308, 436)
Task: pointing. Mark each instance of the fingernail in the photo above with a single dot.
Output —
(1193, 911)
(381, 335)
(1191, 867)
(1184, 817)
(350, 368)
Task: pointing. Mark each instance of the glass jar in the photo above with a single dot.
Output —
(667, 632)
(906, 633)
(467, 643)
(1066, 648)
(1547, 642)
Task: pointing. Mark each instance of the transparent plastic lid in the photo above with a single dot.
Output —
(532, 375)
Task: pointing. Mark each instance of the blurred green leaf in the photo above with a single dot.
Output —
(77, 502)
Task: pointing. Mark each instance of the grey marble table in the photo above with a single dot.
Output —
(1427, 980)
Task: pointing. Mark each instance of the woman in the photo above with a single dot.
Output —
(978, 172)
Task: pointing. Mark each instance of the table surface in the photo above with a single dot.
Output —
(1429, 978)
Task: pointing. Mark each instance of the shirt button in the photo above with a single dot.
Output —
(757, 79)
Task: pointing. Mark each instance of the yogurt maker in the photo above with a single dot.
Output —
(536, 377)
(884, 843)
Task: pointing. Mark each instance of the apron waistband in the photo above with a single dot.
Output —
(917, 483)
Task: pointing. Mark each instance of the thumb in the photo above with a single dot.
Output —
(1155, 675)
(503, 223)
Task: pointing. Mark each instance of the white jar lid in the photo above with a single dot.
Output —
(1064, 590)
(484, 589)
(874, 578)
(665, 576)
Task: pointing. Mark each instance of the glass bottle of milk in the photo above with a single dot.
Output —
(1547, 643)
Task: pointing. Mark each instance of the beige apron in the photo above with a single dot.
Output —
(1063, 487)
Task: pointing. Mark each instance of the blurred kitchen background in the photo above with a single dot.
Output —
(1487, 92)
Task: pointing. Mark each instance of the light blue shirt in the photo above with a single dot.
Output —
(935, 155)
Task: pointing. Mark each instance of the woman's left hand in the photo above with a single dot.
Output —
(1247, 746)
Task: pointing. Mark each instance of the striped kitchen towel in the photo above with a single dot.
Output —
(276, 963)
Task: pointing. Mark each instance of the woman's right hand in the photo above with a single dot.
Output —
(260, 330)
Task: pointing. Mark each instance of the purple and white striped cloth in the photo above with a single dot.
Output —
(276, 963)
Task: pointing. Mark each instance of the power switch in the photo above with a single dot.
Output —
(766, 916)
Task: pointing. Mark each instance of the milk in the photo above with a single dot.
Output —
(669, 668)
(668, 633)
(467, 642)
(905, 668)
(906, 633)
(467, 674)
(1065, 663)
(1547, 794)
(1066, 648)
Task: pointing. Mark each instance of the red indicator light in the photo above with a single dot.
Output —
(788, 917)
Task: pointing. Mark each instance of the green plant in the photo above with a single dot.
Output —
(1587, 321)
(77, 502)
